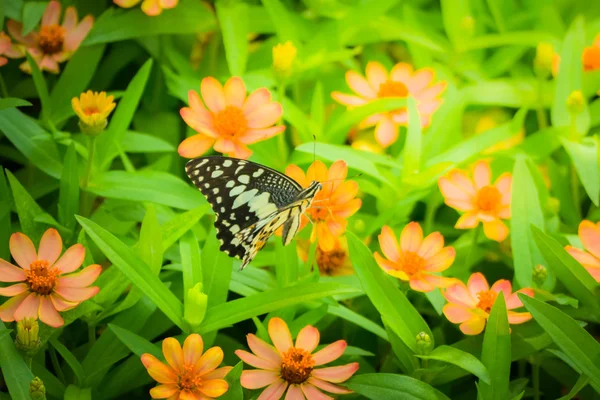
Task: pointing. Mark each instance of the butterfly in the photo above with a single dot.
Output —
(250, 202)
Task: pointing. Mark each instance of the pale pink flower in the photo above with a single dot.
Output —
(149, 7)
(589, 233)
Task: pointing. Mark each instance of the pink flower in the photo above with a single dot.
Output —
(415, 259)
(469, 305)
(149, 7)
(232, 120)
(479, 199)
(46, 285)
(589, 233)
(291, 367)
(401, 81)
(6, 49)
(53, 43)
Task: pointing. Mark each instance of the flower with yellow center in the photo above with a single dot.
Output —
(479, 199)
(589, 234)
(292, 367)
(332, 205)
(335, 262)
(470, 305)
(46, 283)
(414, 259)
(53, 43)
(93, 109)
(284, 56)
(230, 121)
(188, 374)
(149, 7)
(401, 81)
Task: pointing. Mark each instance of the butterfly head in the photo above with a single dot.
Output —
(310, 191)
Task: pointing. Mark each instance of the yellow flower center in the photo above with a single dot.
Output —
(188, 379)
(297, 365)
(412, 263)
(231, 122)
(392, 89)
(51, 39)
(91, 110)
(488, 198)
(329, 261)
(486, 300)
(41, 278)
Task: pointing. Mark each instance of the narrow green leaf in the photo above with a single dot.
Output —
(283, 21)
(496, 352)
(149, 247)
(391, 386)
(137, 344)
(287, 264)
(568, 335)
(359, 320)
(70, 359)
(317, 111)
(16, 373)
(582, 382)
(406, 356)
(461, 359)
(454, 14)
(175, 228)
(526, 210)
(41, 87)
(572, 274)
(75, 393)
(68, 195)
(11, 102)
(134, 269)
(190, 261)
(235, 391)
(216, 270)
(585, 159)
(412, 147)
(32, 14)
(6, 203)
(391, 303)
(137, 142)
(232, 20)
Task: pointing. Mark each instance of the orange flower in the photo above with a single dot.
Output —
(479, 199)
(591, 55)
(232, 120)
(589, 233)
(401, 81)
(53, 43)
(335, 262)
(189, 374)
(469, 305)
(43, 290)
(6, 49)
(333, 203)
(285, 366)
(149, 7)
(415, 259)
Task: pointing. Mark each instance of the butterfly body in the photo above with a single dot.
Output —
(250, 202)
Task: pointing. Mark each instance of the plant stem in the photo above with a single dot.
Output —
(575, 186)
(3, 89)
(536, 379)
(91, 333)
(540, 111)
(473, 245)
(56, 365)
(281, 136)
(86, 209)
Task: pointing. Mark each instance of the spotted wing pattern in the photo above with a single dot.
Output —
(250, 201)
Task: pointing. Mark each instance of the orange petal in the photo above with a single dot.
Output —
(164, 391)
(83, 278)
(477, 283)
(325, 237)
(29, 308)
(213, 387)
(348, 209)
(48, 313)
(431, 92)
(209, 361)
(336, 374)
(50, 246)
(431, 245)
(338, 170)
(212, 94)
(218, 373)
(13, 290)
(255, 100)
(224, 145)
(264, 116)
(420, 80)
(70, 19)
(482, 174)
(317, 172)
(397, 273)
(159, 371)
(327, 386)
(74, 38)
(280, 334)
(312, 393)
(195, 146)
(308, 338)
(589, 233)
(584, 258)
(7, 310)
(262, 349)
(359, 85)
(473, 326)
(274, 391)
(389, 244)
(61, 304)
(256, 379)
(51, 14)
(518, 317)
(330, 352)
(420, 284)
(386, 132)
(235, 92)
(376, 74)
(193, 346)
(294, 393)
(22, 250)
(173, 354)
(296, 173)
(513, 301)
(411, 237)
(240, 151)
(456, 313)
(77, 294)
(503, 184)
(202, 121)
(454, 195)
(401, 72)
(256, 135)
(441, 261)
(10, 273)
(460, 294)
(468, 220)
(495, 230)
(195, 102)
(504, 286)
(257, 362)
(462, 180)
(71, 259)
(348, 99)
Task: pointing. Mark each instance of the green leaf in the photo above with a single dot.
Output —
(391, 386)
(11, 102)
(357, 319)
(235, 391)
(526, 211)
(16, 373)
(582, 382)
(412, 147)
(115, 24)
(70, 359)
(461, 359)
(317, 112)
(68, 195)
(31, 140)
(6, 203)
(572, 274)
(134, 269)
(229, 313)
(568, 335)
(41, 87)
(153, 186)
(32, 14)
(391, 303)
(216, 270)
(283, 21)
(496, 352)
(176, 227)
(405, 355)
(585, 159)
(149, 247)
(137, 344)
(232, 20)
(454, 14)
(190, 261)
(287, 264)
(137, 142)
(75, 393)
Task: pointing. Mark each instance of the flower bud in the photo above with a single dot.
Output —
(423, 343)
(284, 56)
(28, 336)
(93, 109)
(576, 102)
(540, 273)
(37, 391)
(544, 57)
(195, 306)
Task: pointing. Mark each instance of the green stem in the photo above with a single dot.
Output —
(536, 379)
(3, 89)
(56, 365)
(28, 361)
(473, 245)
(91, 333)
(432, 206)
(281, 137)
(575, 186)
(541, 112)
(90, 161)
(573, 134)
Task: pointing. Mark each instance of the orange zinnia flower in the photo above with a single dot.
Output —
(589, 233)
(232, 120)
(402, 81)
(189, 374)
(5, 49)
(591, 55)
(470, 305)
(335, 262)
(333, 203)
(149, 7)
(53, 43)
(415, 259)
(479, 199)
(43, 291)
(288, 366)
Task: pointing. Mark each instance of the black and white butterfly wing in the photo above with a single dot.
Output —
(247, 199)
